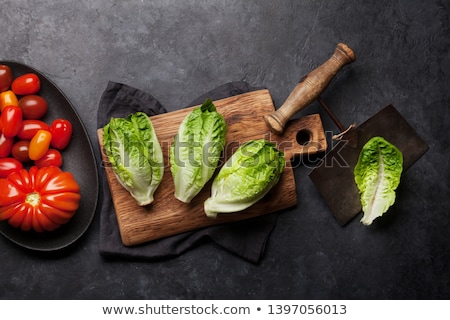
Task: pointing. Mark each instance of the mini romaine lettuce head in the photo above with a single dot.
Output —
(377, 175)
(135, 155)
(245, 178)
(196, 150)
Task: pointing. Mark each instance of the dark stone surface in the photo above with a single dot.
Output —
(177, 50)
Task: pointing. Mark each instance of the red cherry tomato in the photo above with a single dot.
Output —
(29, 128)
(61, 130)
(6, 77)
(11, 120)
(33, 106)
(6, 144)
(51, 158)
(8, 166)
(28, 83)
(39, 144)
(20, 151)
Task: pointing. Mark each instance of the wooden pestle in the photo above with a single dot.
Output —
(309, 88)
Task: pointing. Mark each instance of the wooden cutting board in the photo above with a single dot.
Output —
(168, 216)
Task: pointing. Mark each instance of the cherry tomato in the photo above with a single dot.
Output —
(33, 106)
(6, 144)
(28, 83)
(61, 130)
(39, 144)
(51, 158)
(8, 166)
(29, 128)
(11, 120)
(8, 98)
(6, 77)
(20, 149)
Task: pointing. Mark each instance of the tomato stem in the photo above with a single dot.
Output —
(33, 198)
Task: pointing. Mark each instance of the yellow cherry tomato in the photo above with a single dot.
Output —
(39, 144)
(8, 98)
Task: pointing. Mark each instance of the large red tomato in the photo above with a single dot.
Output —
(40, 199)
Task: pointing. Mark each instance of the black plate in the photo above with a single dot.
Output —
(78, 159)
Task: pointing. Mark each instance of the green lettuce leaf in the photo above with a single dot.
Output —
(245, 178)
(196, 150)
(135, 155)
(377, 175)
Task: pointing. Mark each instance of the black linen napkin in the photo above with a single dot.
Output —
(246, 239)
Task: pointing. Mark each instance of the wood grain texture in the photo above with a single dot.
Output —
(168, 216)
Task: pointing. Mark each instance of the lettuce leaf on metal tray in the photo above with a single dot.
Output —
(377, 176)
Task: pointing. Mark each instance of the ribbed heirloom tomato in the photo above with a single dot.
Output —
(40, 199)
